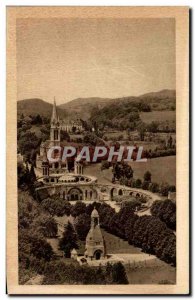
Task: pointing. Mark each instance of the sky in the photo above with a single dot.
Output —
(109, 58)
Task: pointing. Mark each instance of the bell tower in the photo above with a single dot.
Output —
(45, 164)
(78, 167)
(95, 247)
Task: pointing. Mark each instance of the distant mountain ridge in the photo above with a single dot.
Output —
(164, 99)
(98, 100)
(82, 107)
(37, 106)
(160, 94)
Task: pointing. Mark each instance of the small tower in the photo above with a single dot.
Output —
(45, 164)
(94, 247)
(74, 253)
(55, 127)
(78, 167)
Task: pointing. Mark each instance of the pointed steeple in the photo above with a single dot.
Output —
(54, 117)
(94, 218)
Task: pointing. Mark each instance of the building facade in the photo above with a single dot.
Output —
(95, 246)
(72, 126)
(59, 166)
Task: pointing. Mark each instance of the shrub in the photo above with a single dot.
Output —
(154, 187)
(147, 176)
(145, 185)
(138, 183)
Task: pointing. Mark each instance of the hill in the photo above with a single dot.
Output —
(127, 112)
(37, 106)
(162, 100)
(83, 107)
(163, 94)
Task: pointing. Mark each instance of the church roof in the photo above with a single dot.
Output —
(74, 251)
(94, 235)
(94, 213)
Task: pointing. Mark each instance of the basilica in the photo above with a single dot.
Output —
(67, 180)
(60, 166)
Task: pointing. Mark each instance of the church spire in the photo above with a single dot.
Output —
(54, 117)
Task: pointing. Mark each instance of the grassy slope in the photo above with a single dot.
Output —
(150, 272)
(158, 116)
(163, 169)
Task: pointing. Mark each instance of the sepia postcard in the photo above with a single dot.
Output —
(98, 150)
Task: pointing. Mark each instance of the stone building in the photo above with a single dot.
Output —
(55, 140)
(95, 247)
(72, 126)
(70, 184)
(74, 253)
(45, 164)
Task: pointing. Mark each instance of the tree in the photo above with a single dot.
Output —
(166, 211)
(108, 273)
(90, 138)
(170, 142)
(39, 247)
(119, 275)
(138, 183)
(154, 187)
(143, 106)
(64, 136)
(133, 116)
(32, 174)
(172, 188)
(85, 125)
(105, 165)
(166, 247)
(164, 189)
(142, 130)
(147, 176)
(129, 225)
(91, 206)
(56, 206)
(28, 141)
(153, 127)
(78, 209)
(82, 225)
(46, 225)
(145, 185)
(68, 240)
(122, 171)
(63, 272)
(26, 178)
